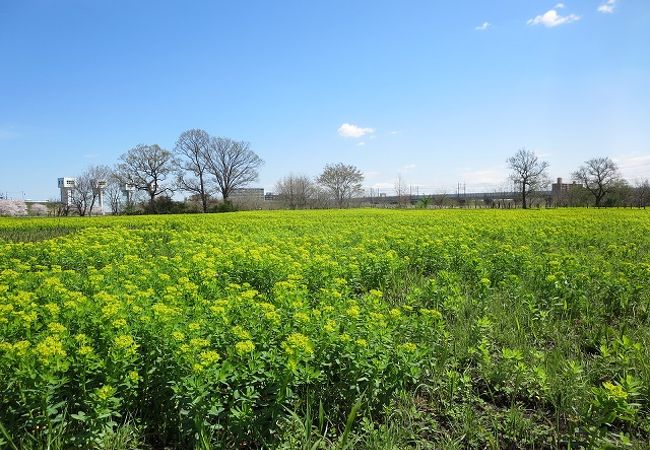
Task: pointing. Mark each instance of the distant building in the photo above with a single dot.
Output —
(247, 194)
(561, 192)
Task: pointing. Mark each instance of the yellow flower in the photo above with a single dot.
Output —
(273, 316)
(408, 347)
(615, 390)
(49, 348)
(301, 317)
(56, 328)
(199, 342)
(353, 311)
(218, 309)
(266, 307)
(105, 392)
(81, 338)
(362, 342)
(209, 357)
(85, 350)
(52, 308)
(119, 323)
(21, 347)
(433, 313)
(240, 333)
(330, 326)
(126, 343)
(298, 343)
(178, 336)
(244, 347)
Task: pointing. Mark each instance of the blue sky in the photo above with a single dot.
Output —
(427, 89)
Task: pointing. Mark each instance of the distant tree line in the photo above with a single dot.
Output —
(211, 169)
(597, 182)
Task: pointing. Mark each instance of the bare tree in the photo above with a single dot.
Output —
(232, 164)
(401, 189)
(642, 193)
(192, 164)
(441, 199)
(599, 176)
(147, 167)
(39, 209)
(58, 208)
(115, 194)
(342, 181)
(84, 195)
(528, 173)
(296, 191)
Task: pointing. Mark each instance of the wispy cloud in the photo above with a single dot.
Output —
(483, 27)
(487, 176)
(634, 166)
(349, 130)
(607, 7)
(361, 144)
(552, 18)
(408, 167)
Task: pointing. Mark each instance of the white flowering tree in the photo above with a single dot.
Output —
(13, 208)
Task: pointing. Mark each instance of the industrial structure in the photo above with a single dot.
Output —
(67, 185)
(128, 189)
(99, 186)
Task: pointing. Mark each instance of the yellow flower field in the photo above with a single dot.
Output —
(524, 328)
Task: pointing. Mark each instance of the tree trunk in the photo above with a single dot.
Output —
(204, 197)
(152, 202)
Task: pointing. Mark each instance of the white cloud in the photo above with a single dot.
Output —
(393, 133)
(607, 7)
(552, 18)
(484, 26)
(349, 130)
(361, 144)
(408, 167)
(634, 166)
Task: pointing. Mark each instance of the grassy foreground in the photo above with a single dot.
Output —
(327, 330)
